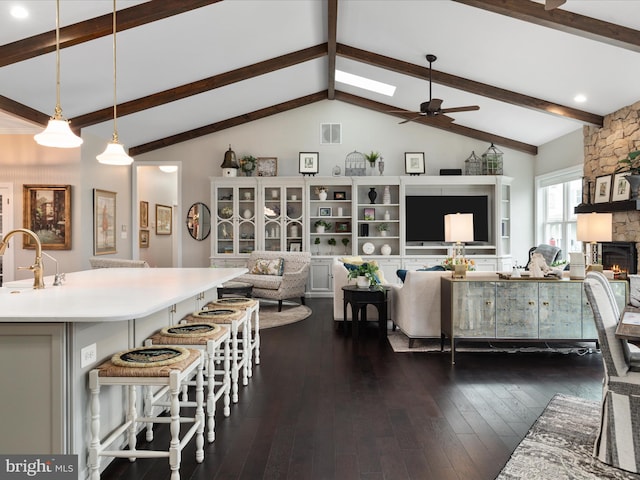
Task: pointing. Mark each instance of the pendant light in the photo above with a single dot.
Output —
(114, 154)
(58, 133)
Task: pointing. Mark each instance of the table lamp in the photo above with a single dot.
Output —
(458, 228)
(593, 228)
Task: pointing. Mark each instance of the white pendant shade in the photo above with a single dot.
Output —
(58, 134)
(114, 154)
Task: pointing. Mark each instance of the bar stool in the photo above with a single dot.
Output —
(213, 340)
(163, 366)
(252, 308)
(237, 319)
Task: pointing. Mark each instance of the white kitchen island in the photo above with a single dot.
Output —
(44, 333)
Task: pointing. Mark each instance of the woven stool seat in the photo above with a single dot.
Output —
(214, 340)
(237, 319)
(253, 310)
(165, 366)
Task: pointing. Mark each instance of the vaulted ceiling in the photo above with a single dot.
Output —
(195, 67)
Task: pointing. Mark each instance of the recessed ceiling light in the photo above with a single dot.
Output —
(366, 83)
(18, 11)
(580, 98)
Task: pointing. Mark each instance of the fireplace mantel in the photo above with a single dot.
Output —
(623, 206)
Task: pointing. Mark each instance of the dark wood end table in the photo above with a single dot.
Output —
(359, 298)
(236, 289)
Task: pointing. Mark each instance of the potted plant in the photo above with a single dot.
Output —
(332, 243)
(316, 242)
(248, 164)
(383, 228)
(321, 226)
(366, 275)
(631, 164)
(372, 158)
(345, 242)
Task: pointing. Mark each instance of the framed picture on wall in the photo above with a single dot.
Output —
(104, 222)
(603, 189)
(144, 214)
(47, 213)
(414, 163)
(267, 167)
(308, 163)
(143, 239)
(163, 219)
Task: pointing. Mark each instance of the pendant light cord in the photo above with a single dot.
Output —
(115, 100)
(58, 110)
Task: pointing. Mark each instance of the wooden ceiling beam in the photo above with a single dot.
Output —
(332, 32)
(467, 85)
(22, 111)
(202, 86)
(451, 127)
(228, 123)
(562, 20)
(95, 28)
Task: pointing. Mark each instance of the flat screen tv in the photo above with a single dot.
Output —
(425, 216)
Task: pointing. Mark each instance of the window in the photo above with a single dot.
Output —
(557, 195)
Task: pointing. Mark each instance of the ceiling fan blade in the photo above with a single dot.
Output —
(551, 4)
(460, 109)
(401, 111)
(410, 119)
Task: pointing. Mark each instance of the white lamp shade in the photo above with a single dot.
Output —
(458, 227)
(58, 134)
(594, 227)
(114, 154)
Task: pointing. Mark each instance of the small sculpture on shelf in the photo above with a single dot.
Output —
(332, 243)
(345, 242)
(316, 242)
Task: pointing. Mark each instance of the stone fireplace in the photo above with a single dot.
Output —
(619, 256)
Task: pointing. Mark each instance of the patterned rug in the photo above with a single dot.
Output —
(559, 445)
(291, 313)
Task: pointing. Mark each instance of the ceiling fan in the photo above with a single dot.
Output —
(433, 108)
(551, 4)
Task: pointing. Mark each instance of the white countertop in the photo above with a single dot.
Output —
(107, 294)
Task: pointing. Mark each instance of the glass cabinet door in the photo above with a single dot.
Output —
(235, 219)
(294, 219)
(272, 218)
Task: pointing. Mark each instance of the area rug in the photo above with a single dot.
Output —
(291, 313)
(400, 343)
(559, 445)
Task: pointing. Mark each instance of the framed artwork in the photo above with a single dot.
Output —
(620, 190)
(144, 214)
(163, 219)
(414, 163)
(104, 222)
(143, 239)
(603, 189)
(339, 195)
(267, 167)
(324, 211)
(308, 163)
(47, 213)
(369, 213)
(295, 247)
(343, 227)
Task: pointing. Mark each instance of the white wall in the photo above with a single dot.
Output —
(564, 152)
(286, 134)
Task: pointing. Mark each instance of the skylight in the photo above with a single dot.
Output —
(366, 83)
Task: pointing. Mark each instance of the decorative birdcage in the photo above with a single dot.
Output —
(473, 165)
(492, 161)
(355, 165)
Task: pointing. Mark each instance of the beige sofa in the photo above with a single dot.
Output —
(414, 305)
(292, 282)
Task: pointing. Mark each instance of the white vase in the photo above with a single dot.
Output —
(247, 214)
(322, 195)
(385, 249)
(362, 282)
(320, 229)
(294, 231)
(383, 233)
(387, 215)
(386, 196)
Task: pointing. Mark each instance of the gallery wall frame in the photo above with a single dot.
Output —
(164, 219)
(47, 213)
(620, 188)
(104, 222)
(144, 214)
(143, 239)
(603, 189)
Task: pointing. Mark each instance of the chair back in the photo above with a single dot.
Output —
(606, 314)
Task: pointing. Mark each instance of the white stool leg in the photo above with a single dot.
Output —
(132, 416)
(211, 403)
(148, 410)
(226, 378)
(246, 351)
(234, 361)
(94, 447)
(200, 411)
(174, 444)
(247, 339)
(256, 340)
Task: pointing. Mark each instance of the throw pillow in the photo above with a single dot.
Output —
(355, 260)
(402, 274)
(268, 266)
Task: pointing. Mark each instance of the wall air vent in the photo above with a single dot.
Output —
(330, 133)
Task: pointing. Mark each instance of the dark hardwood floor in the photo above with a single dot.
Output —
(316, 408)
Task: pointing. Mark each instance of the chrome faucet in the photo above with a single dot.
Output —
(36, 268)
